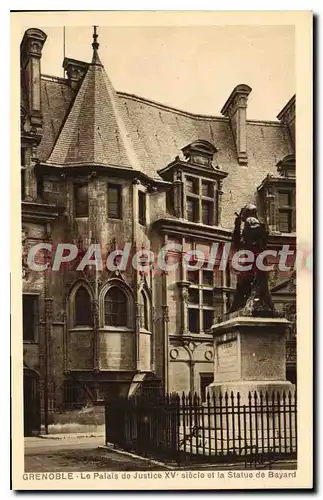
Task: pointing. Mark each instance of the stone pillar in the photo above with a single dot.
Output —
(270, 209)
(137, 333)
(178, 197)
(218, 204)
(249, 355)
(48, 379)
(165, 334)
(96, 335)
(183, 291)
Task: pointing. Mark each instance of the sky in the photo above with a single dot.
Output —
(193, 68)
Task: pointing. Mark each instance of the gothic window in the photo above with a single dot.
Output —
(83, 314)
(81, 200)
(30, 317)
(201, 200)
(115, 307)
(114, 201)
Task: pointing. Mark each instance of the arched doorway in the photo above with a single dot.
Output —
(31, 402)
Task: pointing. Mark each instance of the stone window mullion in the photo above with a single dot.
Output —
(215, 195)
(199, 217)
(201, 299)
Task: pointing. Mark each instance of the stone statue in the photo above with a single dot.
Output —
(252, 296)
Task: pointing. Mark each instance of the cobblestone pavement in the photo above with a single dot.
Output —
(83, 454)
(86, 454)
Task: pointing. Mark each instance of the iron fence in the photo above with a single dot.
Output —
(256, 428)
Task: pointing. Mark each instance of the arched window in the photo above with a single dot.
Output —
(115, 307)
(144, 312)
(83, 315)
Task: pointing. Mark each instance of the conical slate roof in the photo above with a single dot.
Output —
(94, 132)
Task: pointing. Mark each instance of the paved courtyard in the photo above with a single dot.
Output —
(75, 454)
(78, 454)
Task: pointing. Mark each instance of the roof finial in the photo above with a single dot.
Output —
(95, 45)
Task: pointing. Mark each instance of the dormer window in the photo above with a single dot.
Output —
(200, 152)
(278, 197)
(286, 167)
(195, 194)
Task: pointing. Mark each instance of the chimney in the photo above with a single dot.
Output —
(75, 71)
(30, 55)
(235, 109)
(287, 117)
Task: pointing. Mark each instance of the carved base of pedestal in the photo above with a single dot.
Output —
(244, 387)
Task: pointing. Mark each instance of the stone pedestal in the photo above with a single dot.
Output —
(249, 355)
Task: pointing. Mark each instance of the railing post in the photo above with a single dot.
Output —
(233, 422)
(221, 421)
(209, 421)
(106, 423)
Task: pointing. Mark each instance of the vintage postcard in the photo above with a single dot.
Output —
(162, 250)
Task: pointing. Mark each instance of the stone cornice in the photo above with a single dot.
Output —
(270, 180)
(192, 230)
(100, 170)
(39, 212)
(192, 168)
(180, 227)
(243, 321)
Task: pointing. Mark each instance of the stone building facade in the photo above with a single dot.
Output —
(100, 166)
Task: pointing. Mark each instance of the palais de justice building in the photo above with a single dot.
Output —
(101, 166)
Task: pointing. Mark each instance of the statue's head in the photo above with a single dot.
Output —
(249, 210)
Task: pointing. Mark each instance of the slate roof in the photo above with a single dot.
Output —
(94, 132)
(98, 126)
